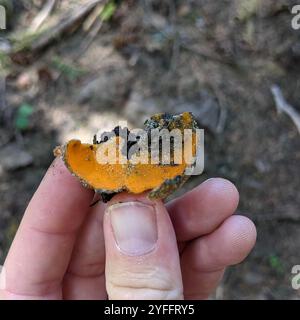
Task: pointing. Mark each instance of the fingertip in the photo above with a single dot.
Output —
(223, 190)
(59, 173)
(59, 180)
(205, 259)
(59, 165)
(241, 234)
(228, 245)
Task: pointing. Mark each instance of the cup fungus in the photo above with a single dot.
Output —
(154, 159)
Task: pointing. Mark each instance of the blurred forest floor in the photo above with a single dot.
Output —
(66, 73)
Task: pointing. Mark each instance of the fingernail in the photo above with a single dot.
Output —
(134, 226)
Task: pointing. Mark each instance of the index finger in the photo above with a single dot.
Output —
(41, 250)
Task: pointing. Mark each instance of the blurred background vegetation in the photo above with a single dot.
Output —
(70, 68)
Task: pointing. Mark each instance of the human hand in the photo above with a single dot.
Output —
(130, 248)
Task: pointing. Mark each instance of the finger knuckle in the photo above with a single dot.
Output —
(150, 283)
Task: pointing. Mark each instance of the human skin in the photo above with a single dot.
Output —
(129, 248)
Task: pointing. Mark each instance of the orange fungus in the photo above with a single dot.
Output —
(154, 159)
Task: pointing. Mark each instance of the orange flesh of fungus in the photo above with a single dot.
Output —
(135, 178)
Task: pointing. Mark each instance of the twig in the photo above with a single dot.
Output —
(65, 24)
(93, 17)
(222, 99)
(91, 37)
(283, 106)
(93, 26)
(42, 15)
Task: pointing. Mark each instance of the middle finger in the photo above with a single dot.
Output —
(203, 209)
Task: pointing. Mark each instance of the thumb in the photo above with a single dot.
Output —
(142, 259)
